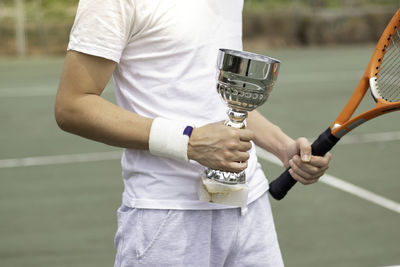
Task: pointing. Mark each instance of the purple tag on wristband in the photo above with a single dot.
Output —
(188, 131)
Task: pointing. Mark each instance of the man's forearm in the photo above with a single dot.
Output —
(93, 117)
(267, 135)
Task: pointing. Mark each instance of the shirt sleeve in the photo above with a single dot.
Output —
(102, 28)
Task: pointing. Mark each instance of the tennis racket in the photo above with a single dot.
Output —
(382, 76)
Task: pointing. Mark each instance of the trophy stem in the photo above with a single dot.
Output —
(236, 118)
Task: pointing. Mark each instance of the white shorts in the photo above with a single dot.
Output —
(213, 238)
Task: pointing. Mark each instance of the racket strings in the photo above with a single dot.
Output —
(389, 74)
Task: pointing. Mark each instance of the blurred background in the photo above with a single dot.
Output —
(59, 193)
(41, 27)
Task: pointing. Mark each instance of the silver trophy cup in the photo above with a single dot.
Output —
(245, 81)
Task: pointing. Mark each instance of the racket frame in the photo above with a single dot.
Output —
(343, 124)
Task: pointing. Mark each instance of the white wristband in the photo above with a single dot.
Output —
(167, 139)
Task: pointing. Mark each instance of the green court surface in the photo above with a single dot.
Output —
(58, 210)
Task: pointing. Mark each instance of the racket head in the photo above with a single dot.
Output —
(384, 68)
(382, 77)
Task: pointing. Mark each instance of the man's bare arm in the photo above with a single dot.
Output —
(268, 136)
(305, 168)
(81, 110)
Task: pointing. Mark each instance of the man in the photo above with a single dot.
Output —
(162, 56)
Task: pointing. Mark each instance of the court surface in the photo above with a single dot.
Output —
(59, 193)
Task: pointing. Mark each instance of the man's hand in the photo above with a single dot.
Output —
(304, 167)
(220, 147)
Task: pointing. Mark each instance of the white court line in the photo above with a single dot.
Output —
(308, 77)
(370, 138)
(28, 91)
(60, 159)
(318, 77)
(342, 185)
(34, 91)
(367, 138)
(116, 155)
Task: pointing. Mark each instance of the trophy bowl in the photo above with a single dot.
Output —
(245, 81)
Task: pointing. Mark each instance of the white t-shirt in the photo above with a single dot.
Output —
(166, 52)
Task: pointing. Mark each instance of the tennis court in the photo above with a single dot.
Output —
(59, 193)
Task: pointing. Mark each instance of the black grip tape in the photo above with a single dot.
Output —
(281, 185)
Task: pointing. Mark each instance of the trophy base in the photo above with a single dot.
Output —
(227, 194)
(222, 177)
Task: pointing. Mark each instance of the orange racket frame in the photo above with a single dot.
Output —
(343, 124)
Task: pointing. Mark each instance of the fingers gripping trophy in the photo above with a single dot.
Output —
(245, 81)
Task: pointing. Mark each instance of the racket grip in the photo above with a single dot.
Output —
(281, 185)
